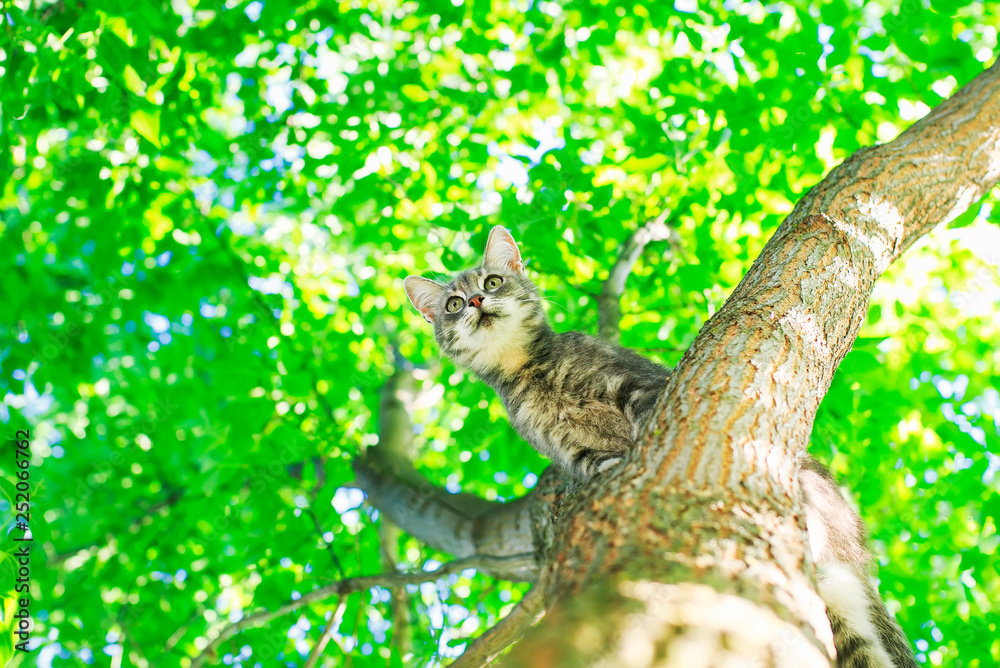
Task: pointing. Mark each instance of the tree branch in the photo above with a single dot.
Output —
(505, 540)
(340, 588)
(505, 632)
(609, 309)
(806, 295)
(331, 626)
(463, 525)
(708, 501)
(929, 175)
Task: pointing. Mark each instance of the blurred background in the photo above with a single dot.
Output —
(207, 212)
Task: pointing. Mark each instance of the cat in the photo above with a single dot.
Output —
(581, 402)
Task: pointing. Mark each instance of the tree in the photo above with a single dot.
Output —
(208, 213)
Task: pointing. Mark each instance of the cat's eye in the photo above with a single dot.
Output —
(493, 282)
(454, 304)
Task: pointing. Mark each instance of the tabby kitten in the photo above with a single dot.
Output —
(581, 402)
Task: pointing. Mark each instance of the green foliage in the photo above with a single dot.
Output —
(207, 210)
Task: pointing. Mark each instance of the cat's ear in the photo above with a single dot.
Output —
(424, 294)
(501, 251)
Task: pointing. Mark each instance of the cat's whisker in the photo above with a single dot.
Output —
(539, 297)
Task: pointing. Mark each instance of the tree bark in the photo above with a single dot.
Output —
(693, 553)
(700, 535)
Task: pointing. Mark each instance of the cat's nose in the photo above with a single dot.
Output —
(476, 301)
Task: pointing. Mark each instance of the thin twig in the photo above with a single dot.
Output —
(340, 588)
(240, 270)
(133, 525)
(176, 636)
(609, 309)
(329, 546)
(331, 628)
(389, 542)
(143, 661)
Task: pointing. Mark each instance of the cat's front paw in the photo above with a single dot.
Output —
(589, 463)
(607, 463)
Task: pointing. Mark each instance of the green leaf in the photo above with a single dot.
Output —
(133, 81)
(147, 124)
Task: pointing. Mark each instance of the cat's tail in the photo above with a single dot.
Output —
(864, 633)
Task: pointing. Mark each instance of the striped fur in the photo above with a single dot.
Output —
(581, 402)
(864, 633)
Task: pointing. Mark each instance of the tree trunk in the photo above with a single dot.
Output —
(694, 552)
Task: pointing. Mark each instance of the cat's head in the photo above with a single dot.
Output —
(487, 317)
